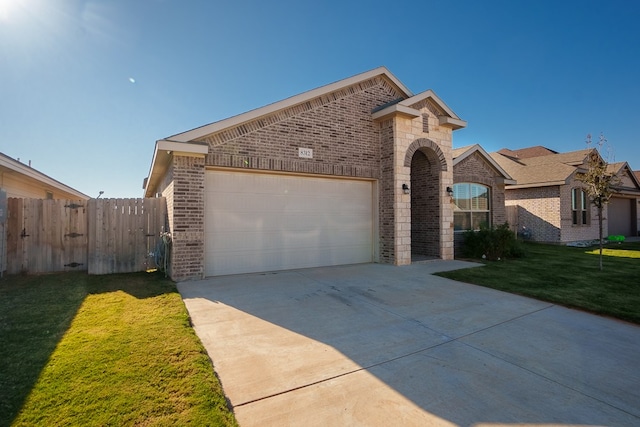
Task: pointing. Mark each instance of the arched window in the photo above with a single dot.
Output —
(579, 203)
(471, 206)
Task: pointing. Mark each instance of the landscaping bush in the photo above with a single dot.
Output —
(492, 243)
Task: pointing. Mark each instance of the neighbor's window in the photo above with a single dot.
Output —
(579, 211)
(471, 206)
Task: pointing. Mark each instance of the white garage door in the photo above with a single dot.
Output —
(265, 222)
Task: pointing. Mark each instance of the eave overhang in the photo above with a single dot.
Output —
(396, 110)
(164, 152)
(451, 122)
(535, 185)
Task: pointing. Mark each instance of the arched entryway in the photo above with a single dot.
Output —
(426, 161)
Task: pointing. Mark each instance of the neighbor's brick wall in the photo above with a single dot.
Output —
(638, 215)
(187, 252)
(573, 233)
(547, 212)
(338, 127)
(475, 169)
(538, 210)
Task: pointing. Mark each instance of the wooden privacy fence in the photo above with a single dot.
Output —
(101, 236)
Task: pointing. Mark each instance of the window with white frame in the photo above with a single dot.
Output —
(579, 204)
(471, 207)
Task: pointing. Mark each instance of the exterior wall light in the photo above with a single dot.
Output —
(450, 191)
(405, 189)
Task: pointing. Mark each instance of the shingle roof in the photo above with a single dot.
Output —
(524, 153)
(551, 169)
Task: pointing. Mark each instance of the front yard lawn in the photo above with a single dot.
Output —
(568, 276)
(81, 350)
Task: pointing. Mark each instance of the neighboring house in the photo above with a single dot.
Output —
(355, 171)
(637, 174)
(622, 210)
(478, 190)
(551, 203)
(23, 181)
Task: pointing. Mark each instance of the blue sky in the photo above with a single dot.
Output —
(87, 87)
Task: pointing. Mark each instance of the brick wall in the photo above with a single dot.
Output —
(573, 233)
(387, 194)
(547, 212)
(338, 128)
(187, 213)
(538, 210)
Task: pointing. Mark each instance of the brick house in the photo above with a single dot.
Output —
(478, 191)
(550, 201)
(355, 171)
(622, 210)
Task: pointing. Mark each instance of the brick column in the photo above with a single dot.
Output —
(187, 254)
(387, 193)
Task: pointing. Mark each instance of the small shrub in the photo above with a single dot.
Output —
(492, 243)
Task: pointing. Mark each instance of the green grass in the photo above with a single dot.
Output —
(81, 350)
(568, 276)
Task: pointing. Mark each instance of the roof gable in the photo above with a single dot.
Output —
(300, 102)
(410, 107)
(459, 154)
(628, 179)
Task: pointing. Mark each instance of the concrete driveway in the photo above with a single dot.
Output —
(378, 345)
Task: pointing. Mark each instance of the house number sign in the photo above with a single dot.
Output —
(305, 153)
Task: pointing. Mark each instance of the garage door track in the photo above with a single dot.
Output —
(378, 345)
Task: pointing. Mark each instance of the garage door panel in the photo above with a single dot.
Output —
(274, 240)
(261, 222)
(290, 221)
(233, 263)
